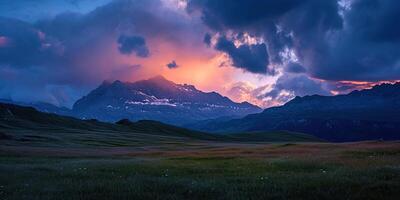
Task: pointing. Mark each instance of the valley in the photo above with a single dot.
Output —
(46, 156)
(199, 99)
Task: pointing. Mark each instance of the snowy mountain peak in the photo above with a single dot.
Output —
(157, 99)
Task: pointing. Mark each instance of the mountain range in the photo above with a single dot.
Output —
(153, 99)
(41, 106)
(360, 115)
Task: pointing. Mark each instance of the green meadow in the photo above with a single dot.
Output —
(45, 156)
(369, 170)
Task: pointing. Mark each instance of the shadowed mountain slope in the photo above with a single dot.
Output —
(360, 115)
(157, 99)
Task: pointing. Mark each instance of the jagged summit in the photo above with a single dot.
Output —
(158, 78)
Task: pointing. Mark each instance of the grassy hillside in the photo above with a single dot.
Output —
(26, 126)
(45, 156)
(274, 136)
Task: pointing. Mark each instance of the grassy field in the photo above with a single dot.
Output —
(369, 170)
(44, 156)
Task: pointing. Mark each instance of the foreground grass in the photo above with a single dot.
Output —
(344, 173)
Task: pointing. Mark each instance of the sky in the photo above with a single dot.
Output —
(265, 52)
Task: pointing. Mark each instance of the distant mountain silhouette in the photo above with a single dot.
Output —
(360, 115)
(156, 99)
(42, 106)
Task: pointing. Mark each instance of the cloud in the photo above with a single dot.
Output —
(222, 15)
(289, 86)
(287, 24)
(323, 45)
(244, 91)
(4, 42)
(366, 49)
(28, 10)
(333, 40)
(130, 44)
(344, 87)
(207, 39)
(252, 58)
(23, 44)
(79, 50)
(294, 68)
(172, 65)
(286, 87)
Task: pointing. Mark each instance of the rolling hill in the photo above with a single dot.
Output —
(26, 126)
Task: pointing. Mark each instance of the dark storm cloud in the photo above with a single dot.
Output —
(359, 41)
(68, 46)
(294, 68)
(133, 44)
(296, 85)
(368, 48)
(207, 39)
(172, 65)
(377, 20)
(25, 45)
(253, 58)
(283, 24)
(73, 52)
(221, 15)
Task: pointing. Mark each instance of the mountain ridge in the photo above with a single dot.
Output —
(157, 99)
(153, 92)
(366, 114)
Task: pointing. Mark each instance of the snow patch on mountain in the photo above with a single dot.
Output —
(154, 102)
